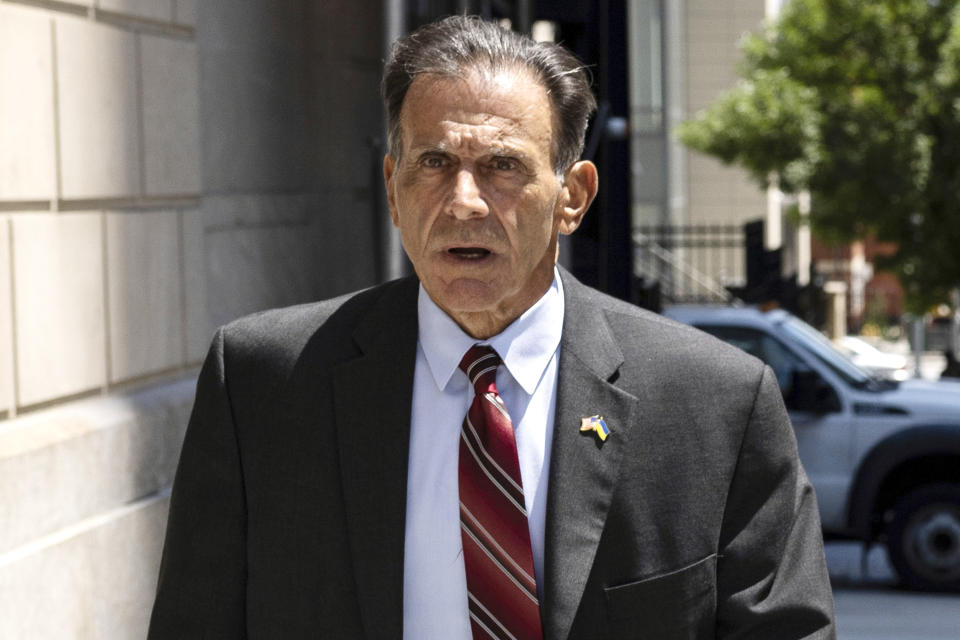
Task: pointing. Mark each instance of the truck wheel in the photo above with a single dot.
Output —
(923, 538)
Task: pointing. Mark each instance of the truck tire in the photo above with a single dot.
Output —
(923, 538)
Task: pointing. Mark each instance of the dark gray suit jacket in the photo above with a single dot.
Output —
(693, 519)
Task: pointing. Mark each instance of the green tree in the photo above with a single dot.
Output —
(859, 103)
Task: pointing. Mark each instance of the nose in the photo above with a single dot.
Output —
(466, 201)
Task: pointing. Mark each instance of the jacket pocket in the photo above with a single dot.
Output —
(680, 604)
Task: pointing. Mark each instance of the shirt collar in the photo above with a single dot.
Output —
(526, 345)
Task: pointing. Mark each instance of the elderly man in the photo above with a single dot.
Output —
(489, 449)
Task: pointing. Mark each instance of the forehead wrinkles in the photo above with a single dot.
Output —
(476, 112)
(489, 83)
(475, 138)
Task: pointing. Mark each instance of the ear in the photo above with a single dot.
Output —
(580, 184)
(389, 167)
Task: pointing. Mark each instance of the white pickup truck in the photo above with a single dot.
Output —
(883, 456)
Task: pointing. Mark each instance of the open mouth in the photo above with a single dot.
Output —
(469, 253)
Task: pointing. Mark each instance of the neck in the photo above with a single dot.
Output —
(483, 325)
(487, 323)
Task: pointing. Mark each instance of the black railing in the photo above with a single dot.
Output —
(691, 263)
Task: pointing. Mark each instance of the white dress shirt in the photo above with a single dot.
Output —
(434, 581)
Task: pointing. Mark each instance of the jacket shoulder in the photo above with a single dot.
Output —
(648, 339)
(277, 335)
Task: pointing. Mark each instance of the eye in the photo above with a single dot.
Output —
(433, 161)
(505, 164)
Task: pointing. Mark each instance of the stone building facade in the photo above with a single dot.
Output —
(165, 166)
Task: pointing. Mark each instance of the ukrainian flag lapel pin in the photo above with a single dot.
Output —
(597, 425)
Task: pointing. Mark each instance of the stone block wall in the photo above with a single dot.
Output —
(290, 113)
(99, 189)
(82, 517)
(165, 166)
(102, 315)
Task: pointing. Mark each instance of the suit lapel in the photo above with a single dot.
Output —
(372, 398)
(583, 471)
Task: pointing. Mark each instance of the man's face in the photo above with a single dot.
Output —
(475, 195)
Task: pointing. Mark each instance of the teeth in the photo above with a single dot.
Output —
(469, 252)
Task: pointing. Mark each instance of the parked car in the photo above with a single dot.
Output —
(869, 358)
(883, 455)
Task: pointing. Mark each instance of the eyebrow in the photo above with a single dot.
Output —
(429, 148)
(443, 147)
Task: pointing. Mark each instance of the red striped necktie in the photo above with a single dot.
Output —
(493, 519)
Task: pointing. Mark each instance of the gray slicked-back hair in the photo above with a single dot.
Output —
(457, 45)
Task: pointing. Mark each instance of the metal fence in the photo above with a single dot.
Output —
(691, 263)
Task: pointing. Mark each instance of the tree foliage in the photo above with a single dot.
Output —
(859, 103)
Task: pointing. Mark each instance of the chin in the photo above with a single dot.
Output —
(470, 304)
(469, 296)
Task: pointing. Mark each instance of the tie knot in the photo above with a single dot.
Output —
(480, 364)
